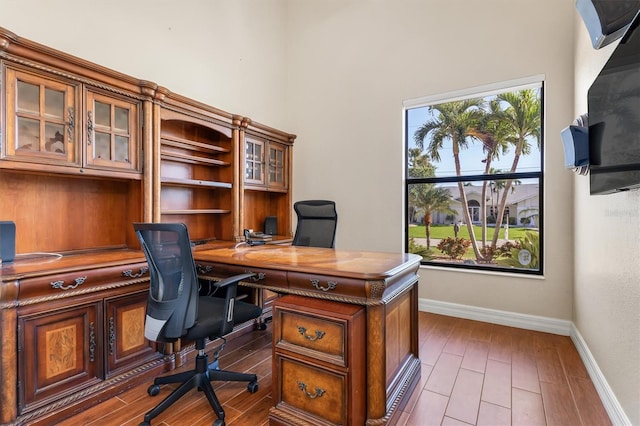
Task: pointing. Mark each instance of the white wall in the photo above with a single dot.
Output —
(229, 54)
(351, 65)
(607, 248)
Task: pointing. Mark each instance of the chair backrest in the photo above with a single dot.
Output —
(172, 304)
(317, 221)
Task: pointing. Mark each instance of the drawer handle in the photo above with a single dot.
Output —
(205, 269)
(256, 277)
(330, 285)
(61, 286)
(318, 336)
(303, 387)
(129, 273)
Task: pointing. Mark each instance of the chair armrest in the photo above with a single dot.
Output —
(234, 279)
(231, 285)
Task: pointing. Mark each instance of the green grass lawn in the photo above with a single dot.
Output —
(444, 231)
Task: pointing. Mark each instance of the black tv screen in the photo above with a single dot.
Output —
(614, 118)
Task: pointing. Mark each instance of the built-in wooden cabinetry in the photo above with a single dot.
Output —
(86, 151)
(196, 167)
(266, 184)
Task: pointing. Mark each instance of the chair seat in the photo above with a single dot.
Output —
(208, 325)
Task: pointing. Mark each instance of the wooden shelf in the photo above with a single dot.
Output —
(192, 145)
(190, 159)
(197, 211)
(193, 183)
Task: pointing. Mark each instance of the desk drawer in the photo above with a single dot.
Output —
(302, 333)
(325, 284)
(265, 277)
(82, 280)
(314, 391)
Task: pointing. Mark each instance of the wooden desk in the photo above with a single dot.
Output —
(384, 284)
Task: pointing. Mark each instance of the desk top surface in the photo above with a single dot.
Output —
(346, 263)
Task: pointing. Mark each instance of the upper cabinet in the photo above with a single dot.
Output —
(112, 129)
(41, 115)
(66, 122)
(265, 186)
(266, 162)
(71, 146)
(93, 150)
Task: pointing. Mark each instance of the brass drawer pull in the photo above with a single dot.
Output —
(257, 277)
(318, 336)
(61, 286)
(204, 269)
(303, 387)
(129, 273)
(330, 285)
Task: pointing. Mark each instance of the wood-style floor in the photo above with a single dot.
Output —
(473, 373)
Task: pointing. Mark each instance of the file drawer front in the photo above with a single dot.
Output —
(328, 284)
(313, 333)
(315, 391)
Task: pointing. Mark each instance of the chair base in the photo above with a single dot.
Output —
(199, 378)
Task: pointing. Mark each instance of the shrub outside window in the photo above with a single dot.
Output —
(474, 181)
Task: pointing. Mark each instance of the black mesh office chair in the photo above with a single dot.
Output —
(317, 221)
(175, 310)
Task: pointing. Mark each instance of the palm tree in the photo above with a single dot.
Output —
(429, 199)
(457, 121)
(522, 121)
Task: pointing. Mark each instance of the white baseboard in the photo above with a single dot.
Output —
(609, 400)
(537, 323)
(494, 316)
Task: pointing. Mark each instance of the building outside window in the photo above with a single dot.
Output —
(474, 177)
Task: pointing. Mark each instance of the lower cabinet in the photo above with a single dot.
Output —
(319, 362)
(126, 345)
(60, 353)
(71, 345)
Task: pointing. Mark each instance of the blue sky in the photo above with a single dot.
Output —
(470, 158)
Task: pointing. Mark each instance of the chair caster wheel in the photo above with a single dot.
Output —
(145, 424)
(153, 390)
(218, 422)
(252, 387)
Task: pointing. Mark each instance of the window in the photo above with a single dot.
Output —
(473, 173)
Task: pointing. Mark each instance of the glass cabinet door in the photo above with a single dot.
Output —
(40, 118)
(254, 162)
(111, 132)
(277, 166)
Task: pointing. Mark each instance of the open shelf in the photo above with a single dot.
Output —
(194, 183)
(198, 211)
(177, 142)
(191, 159)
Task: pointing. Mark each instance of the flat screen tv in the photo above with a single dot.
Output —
(614, 118)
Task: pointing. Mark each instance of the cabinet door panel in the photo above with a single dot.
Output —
(126, 344)
(254, 172)
(111, 132)
(40, 119)
(277, 166)
(61, 353)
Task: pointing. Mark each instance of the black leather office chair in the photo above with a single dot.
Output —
(317, 221)
(175, 310)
